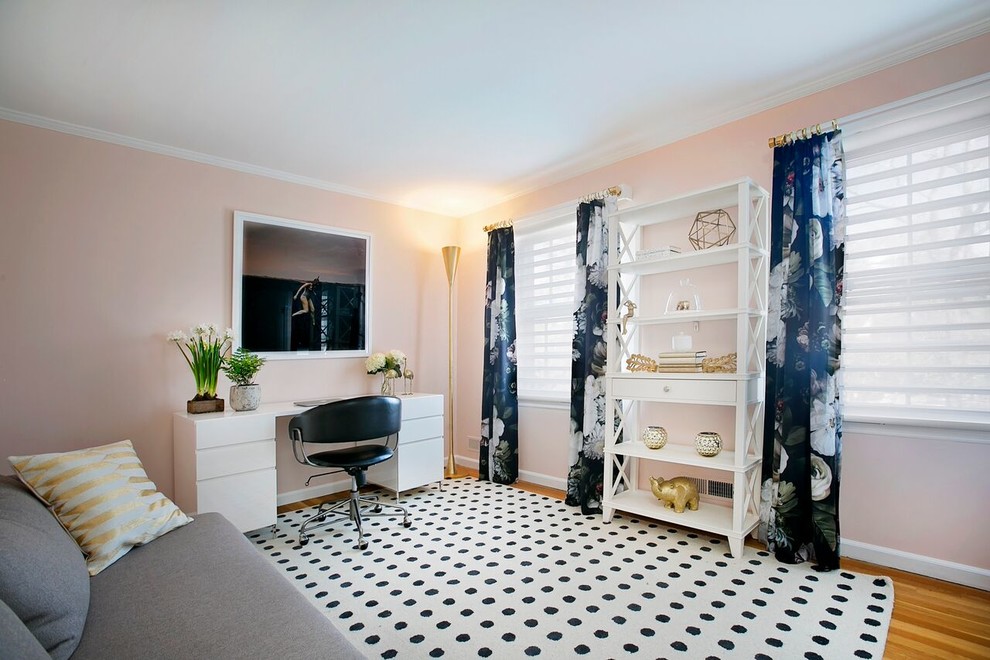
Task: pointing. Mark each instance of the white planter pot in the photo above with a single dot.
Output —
(245, 397)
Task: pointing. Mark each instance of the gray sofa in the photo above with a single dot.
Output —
(200, 591)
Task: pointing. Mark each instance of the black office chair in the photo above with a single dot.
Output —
(348, 421)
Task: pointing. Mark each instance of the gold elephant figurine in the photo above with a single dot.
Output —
(675, 493)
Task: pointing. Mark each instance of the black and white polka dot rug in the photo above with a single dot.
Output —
(492, 571)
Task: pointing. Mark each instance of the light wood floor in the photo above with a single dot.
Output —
(931, 619)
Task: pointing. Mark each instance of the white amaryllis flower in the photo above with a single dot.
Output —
(824, 419)
(821, 478)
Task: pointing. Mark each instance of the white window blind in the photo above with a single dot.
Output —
(545, 273)
(916, 324)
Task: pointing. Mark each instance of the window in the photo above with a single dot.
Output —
(545, 274)
(916, 325)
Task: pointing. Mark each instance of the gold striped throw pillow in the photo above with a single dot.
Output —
(102, 497)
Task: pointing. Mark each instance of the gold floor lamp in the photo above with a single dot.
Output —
(451, 255)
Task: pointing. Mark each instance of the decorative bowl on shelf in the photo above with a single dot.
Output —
(655, 437)
(708, 443)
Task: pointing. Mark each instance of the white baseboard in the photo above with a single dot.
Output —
(939, 569)
(293, 496)
(537, 478)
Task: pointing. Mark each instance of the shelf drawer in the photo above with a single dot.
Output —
(683, 391)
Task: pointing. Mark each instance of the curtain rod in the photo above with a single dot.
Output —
(803, 134)
(501, 224)
(623, 191)
(611, 191)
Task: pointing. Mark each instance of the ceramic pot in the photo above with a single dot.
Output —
(245, 397)
(655, 437)
(708, 443)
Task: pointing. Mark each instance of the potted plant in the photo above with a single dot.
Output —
(203, 348)
(241, 367)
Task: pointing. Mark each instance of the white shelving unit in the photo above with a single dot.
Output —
(742, 391)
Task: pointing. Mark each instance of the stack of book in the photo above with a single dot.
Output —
(658, 252)
(687, 362)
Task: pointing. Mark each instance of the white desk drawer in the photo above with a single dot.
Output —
(421, 406)
(676, 390)
(420, 463)
(247, 500)
(234, 430)
(234, 459)
(414, 430)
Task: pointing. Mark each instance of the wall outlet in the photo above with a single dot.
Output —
(474, 443)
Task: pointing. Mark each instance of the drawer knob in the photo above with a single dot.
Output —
(666, 388)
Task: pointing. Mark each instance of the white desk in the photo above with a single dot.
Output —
(225, 462)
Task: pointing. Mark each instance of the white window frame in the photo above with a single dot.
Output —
(861, 134)
(545, 296)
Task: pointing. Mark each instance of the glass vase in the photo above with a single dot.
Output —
(684, 298)
(388, 384)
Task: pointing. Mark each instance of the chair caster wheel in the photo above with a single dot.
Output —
(303, 540)
(363, 545)
(377, 509)
(407, 523)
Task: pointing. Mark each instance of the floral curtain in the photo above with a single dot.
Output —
(499, 457)
(802, 446)
(585, 478)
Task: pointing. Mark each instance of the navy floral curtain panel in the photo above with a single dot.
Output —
(585, 478)
(803, 433)
(499, 456)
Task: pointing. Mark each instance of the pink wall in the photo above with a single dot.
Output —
(105, 249)
(883, 501)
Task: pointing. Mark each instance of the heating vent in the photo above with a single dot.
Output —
(713, 488)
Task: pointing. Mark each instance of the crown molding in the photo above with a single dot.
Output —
(562, 172)
(198, 157)
(577, 167)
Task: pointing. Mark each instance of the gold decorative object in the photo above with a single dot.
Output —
(451, 256)
(638, 362)
(630, 312)
(407, 379)
(675, 493)
(708, 443)
(655, 437)
(725, 364)
(711, 229)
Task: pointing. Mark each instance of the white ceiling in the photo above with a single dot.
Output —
(445, 105)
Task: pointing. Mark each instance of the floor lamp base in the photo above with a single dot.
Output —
(450, 471)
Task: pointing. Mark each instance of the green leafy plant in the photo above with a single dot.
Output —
(204, 349)
(241, 366)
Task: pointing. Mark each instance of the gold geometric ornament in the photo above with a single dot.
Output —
(711, 229)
